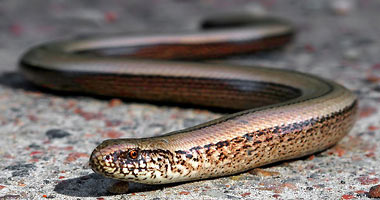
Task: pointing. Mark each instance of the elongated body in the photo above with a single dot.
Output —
(285, 114)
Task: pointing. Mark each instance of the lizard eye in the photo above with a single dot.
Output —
(133, 154)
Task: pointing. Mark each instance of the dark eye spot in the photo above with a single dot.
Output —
(133, 154)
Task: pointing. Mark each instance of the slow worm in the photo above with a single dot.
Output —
(283, 114)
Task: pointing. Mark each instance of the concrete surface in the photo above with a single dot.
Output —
(46, 139)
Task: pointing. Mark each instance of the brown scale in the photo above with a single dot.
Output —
(281, 142)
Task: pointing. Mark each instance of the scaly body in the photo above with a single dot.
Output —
(284, 115)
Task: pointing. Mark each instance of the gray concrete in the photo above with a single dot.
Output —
(46, 138)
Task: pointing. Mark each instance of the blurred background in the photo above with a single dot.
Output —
(335, 29)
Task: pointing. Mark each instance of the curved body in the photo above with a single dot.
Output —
(284, 114)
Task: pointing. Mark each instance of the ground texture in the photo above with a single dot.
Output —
(46, 139)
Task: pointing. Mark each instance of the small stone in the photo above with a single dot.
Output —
(352, 54)
(342, 7)
(20, 167)
(374, 192)
(34, 146)
(115, 102)
(309, 188)
(261, 172)
(56, 133)
(236, 178)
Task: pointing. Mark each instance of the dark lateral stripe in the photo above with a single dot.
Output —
(170, 51)
(67, 79)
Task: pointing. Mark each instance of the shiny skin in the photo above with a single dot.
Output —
(283, 114)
